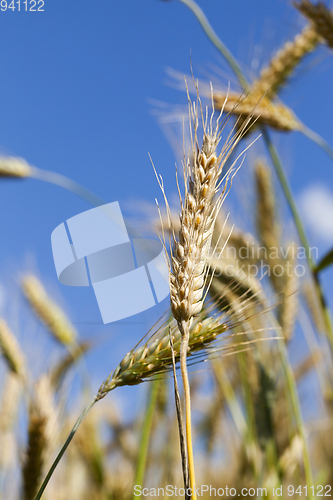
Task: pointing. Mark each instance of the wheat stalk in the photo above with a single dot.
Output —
(48, 312)
(321, 19)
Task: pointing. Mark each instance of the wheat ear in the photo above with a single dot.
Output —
(48, 312)
(9, 406)
(14, 167)
(11, 351)
(321, 19)
(42, 418)
(284, 62)
(262, 110)
(267, 224)
(289, 306)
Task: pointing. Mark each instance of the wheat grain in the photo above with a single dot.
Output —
(321, 19)
(10, 350)
(48, 312)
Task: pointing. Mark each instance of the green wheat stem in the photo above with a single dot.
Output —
(145, 435)
(64, 448)
(206, 26)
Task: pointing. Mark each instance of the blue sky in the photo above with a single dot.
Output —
(77, 88)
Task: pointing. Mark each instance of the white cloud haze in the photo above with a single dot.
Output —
(316, 204)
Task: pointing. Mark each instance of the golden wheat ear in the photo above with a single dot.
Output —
(262, 110)
(320, 17)
(48, 312)
(283, 63)
(11, 350)
(14, 167)
(42, 417)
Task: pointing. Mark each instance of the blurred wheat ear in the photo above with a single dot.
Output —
(11, 351)
(42, 416)
(320, 17)
(283, 63)
(263, 111)
(48, 312)
(14, 167)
